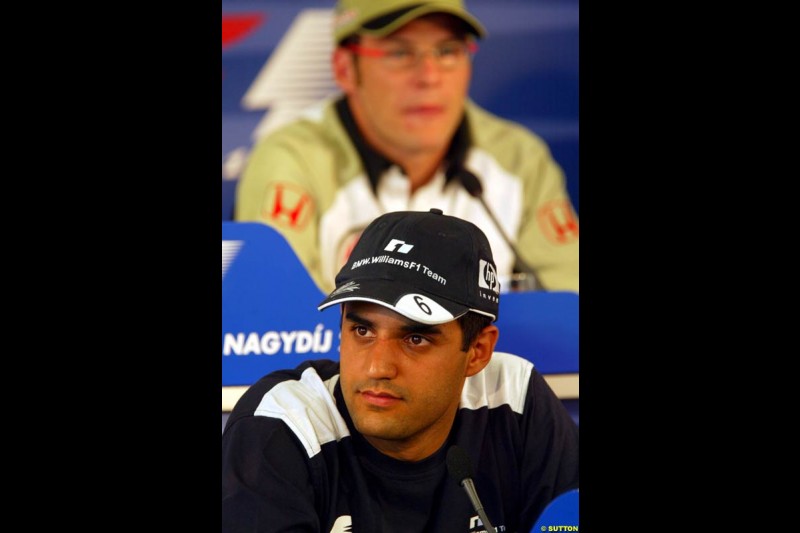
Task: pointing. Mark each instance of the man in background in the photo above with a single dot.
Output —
(403, 135)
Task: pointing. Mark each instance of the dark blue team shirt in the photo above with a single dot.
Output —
(292, 460)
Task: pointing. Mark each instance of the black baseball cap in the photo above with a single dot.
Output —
(427, 266)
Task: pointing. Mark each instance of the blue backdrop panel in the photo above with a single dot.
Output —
(269, 307)
(542, 327)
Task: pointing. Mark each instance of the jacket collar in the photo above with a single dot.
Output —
(375, 163)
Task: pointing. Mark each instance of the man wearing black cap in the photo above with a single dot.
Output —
(404, 136)
(365, 444)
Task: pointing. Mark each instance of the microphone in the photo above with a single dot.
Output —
(460, 469)
(473, 186)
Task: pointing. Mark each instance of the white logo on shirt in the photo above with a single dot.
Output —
(343, 524)
(476, 526)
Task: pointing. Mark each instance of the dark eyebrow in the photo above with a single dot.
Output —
(421, 329)
(352, 316)
(410, 327)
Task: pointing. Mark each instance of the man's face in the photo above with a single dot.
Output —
(415, 110)
(401, 380)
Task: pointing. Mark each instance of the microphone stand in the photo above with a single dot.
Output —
(475, 189)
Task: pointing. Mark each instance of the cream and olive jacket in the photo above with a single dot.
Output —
(317, 183)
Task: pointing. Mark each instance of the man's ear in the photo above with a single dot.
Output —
(344, 70)
(480, 353)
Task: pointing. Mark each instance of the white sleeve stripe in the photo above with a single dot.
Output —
(504, 381)
(308, 408)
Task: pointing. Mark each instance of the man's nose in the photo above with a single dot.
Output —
(383, 360)
(427, 66)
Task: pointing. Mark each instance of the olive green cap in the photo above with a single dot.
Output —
(382, 17)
